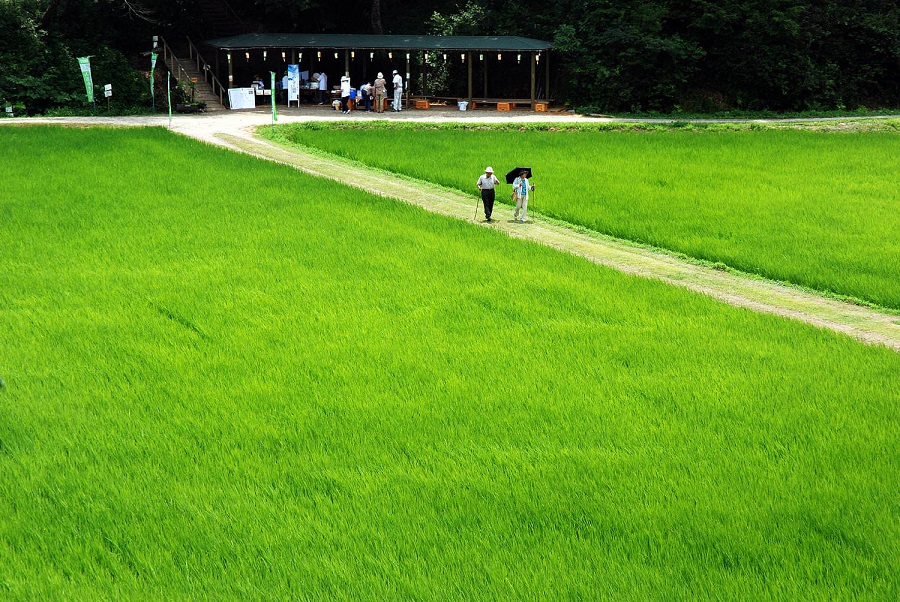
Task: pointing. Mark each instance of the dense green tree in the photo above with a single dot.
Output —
(699, 55)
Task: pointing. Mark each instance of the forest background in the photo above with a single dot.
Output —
(630, 56)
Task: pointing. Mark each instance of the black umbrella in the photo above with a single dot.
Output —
(512, 175)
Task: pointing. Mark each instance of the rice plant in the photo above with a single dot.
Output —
(818, 209)
(225, 379)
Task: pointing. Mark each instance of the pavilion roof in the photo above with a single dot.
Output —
(379, 42)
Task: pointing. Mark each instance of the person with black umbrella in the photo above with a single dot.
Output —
(486, 185)
(518, 177)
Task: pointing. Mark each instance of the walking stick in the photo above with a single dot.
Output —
(477, 199)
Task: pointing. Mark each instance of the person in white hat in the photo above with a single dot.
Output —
(486, 185)
(380, 93)
(398, 91)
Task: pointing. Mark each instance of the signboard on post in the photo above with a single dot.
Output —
(293, 89)
(107, 90)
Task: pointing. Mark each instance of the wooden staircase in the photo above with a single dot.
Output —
(195, 75)
(202, 90)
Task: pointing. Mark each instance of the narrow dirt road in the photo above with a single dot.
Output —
(236, 131)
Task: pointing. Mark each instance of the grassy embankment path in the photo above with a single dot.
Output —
(864, 323)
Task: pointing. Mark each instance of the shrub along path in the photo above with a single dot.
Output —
(742, 290)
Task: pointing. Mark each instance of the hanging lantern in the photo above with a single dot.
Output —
(284, 56)
(319, 54)
(371, 55)
(352, 54)
(480, 57)
(247, 54)
(407, 56)
(335, 55)
(463, 57)
(499, 57)
(265, 52)
(301, 56)
(445, 56)
(518, 58)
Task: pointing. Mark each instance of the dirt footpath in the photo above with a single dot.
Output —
(236, 131)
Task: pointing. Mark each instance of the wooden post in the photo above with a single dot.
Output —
(425, 73)
(469, 60)
(547, 76)
(230, 71)
(484, 64)
(533, 69)
(346, 61)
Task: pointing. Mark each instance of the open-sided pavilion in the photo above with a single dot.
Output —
(365, 53)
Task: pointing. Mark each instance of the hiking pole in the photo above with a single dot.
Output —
(532, 197)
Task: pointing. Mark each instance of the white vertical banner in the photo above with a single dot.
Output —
(293, 75)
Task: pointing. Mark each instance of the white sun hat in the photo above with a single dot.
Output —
(488, 169)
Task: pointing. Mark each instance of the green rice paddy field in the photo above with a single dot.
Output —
(818, 209)
(246, 383)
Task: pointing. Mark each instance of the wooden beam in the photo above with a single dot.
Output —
(469, 60)
(533, 70)
(547, 73)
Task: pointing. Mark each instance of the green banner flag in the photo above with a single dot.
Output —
(85, 63)
(169, 94)
(272, 88)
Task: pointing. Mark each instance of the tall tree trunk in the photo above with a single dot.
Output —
(376, 17)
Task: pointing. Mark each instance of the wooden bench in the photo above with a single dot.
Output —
(502, 104)
(507, 104)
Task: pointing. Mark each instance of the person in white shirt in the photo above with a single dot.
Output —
(398, 91)
(345, 93)
(323, 87)
(486, 185)
(521, 188)
(365, 96)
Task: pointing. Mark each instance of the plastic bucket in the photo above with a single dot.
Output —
(463, 104)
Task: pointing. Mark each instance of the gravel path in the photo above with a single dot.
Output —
(236, 131)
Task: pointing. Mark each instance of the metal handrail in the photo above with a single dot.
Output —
(181, 73)
(207, 71)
